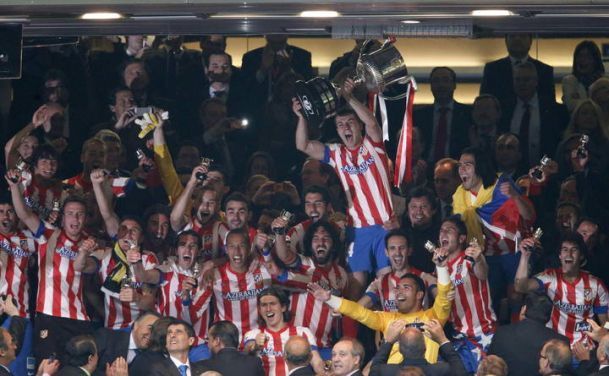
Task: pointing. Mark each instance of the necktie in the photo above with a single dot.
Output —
(183, 369)
(441, 135)
(524, 132)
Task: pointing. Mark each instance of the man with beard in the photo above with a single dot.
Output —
(122, 303)
(16, 248)
(409, 295)
(63, 258)
(204, 219)
(318, 263)
(362, 165)
(157, 234)
(421, 224)
(237, 214)
(180, 296)
(494, 211)
(577, 295)
(382, 291)
(269, 340)
(316, 207)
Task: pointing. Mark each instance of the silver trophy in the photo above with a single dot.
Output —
(537, 172)
(287, 217)
(379, 70)
(205, 162)
(432, 248)
(582, 149)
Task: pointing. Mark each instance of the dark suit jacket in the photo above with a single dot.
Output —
(230, 361)
(497, 80)
(301, 62)
(151, 363)
(307, 371)
(553, 118)
(451, 367)
(603, 372)
(111, 344)
(459, 126)
(519, 345)
(5, 372)
(72, 371)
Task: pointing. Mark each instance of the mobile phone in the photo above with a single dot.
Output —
(140, 111)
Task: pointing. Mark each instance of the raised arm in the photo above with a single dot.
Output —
(27, 216)
(373, 130)
(84, 262)
(285, 253)
(525, 207)
(312, 148)
(480, 266)
(177, 217)
(522, 282)
(98, 177)
(40, 117)
(162, 158)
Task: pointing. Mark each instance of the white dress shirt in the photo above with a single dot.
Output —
(178, 364)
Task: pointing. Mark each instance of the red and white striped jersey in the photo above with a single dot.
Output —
(472, 313)
(574, 302)
(212, 236)
(235, 295)
(364, 176)
(40, 199)
(170, 301)
(15, 253)
(119, 314)
(59, 284)
(296, 235)
(272, 354)
(382, 291)
(306, 310)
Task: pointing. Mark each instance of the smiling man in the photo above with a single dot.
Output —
(269, 340)
(363, 168)
(410, 292)
(182, 293)
(235, 286)
(63, 256)
(382, 292)
(318, 263)
(577, 295)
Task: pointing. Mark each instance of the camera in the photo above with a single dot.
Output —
(140, 111)
(140, 155)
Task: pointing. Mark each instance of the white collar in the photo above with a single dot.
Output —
(178, 363)
(132, 345)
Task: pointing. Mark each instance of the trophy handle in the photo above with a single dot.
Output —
(408, 79)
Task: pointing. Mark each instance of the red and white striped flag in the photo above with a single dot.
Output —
(403, 157)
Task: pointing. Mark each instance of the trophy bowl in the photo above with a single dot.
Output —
(318, 98)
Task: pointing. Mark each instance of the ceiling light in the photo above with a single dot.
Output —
(410, 22)
(319, 13)
(491, 13)
(101, 16)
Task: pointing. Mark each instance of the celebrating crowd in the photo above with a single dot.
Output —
(166, 213)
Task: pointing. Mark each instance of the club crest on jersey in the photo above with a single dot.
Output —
(44, 333)
(588, 295)
(258, 277)
(459, 269)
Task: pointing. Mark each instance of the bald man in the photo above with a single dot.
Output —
(412, 347)
(298, 356)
